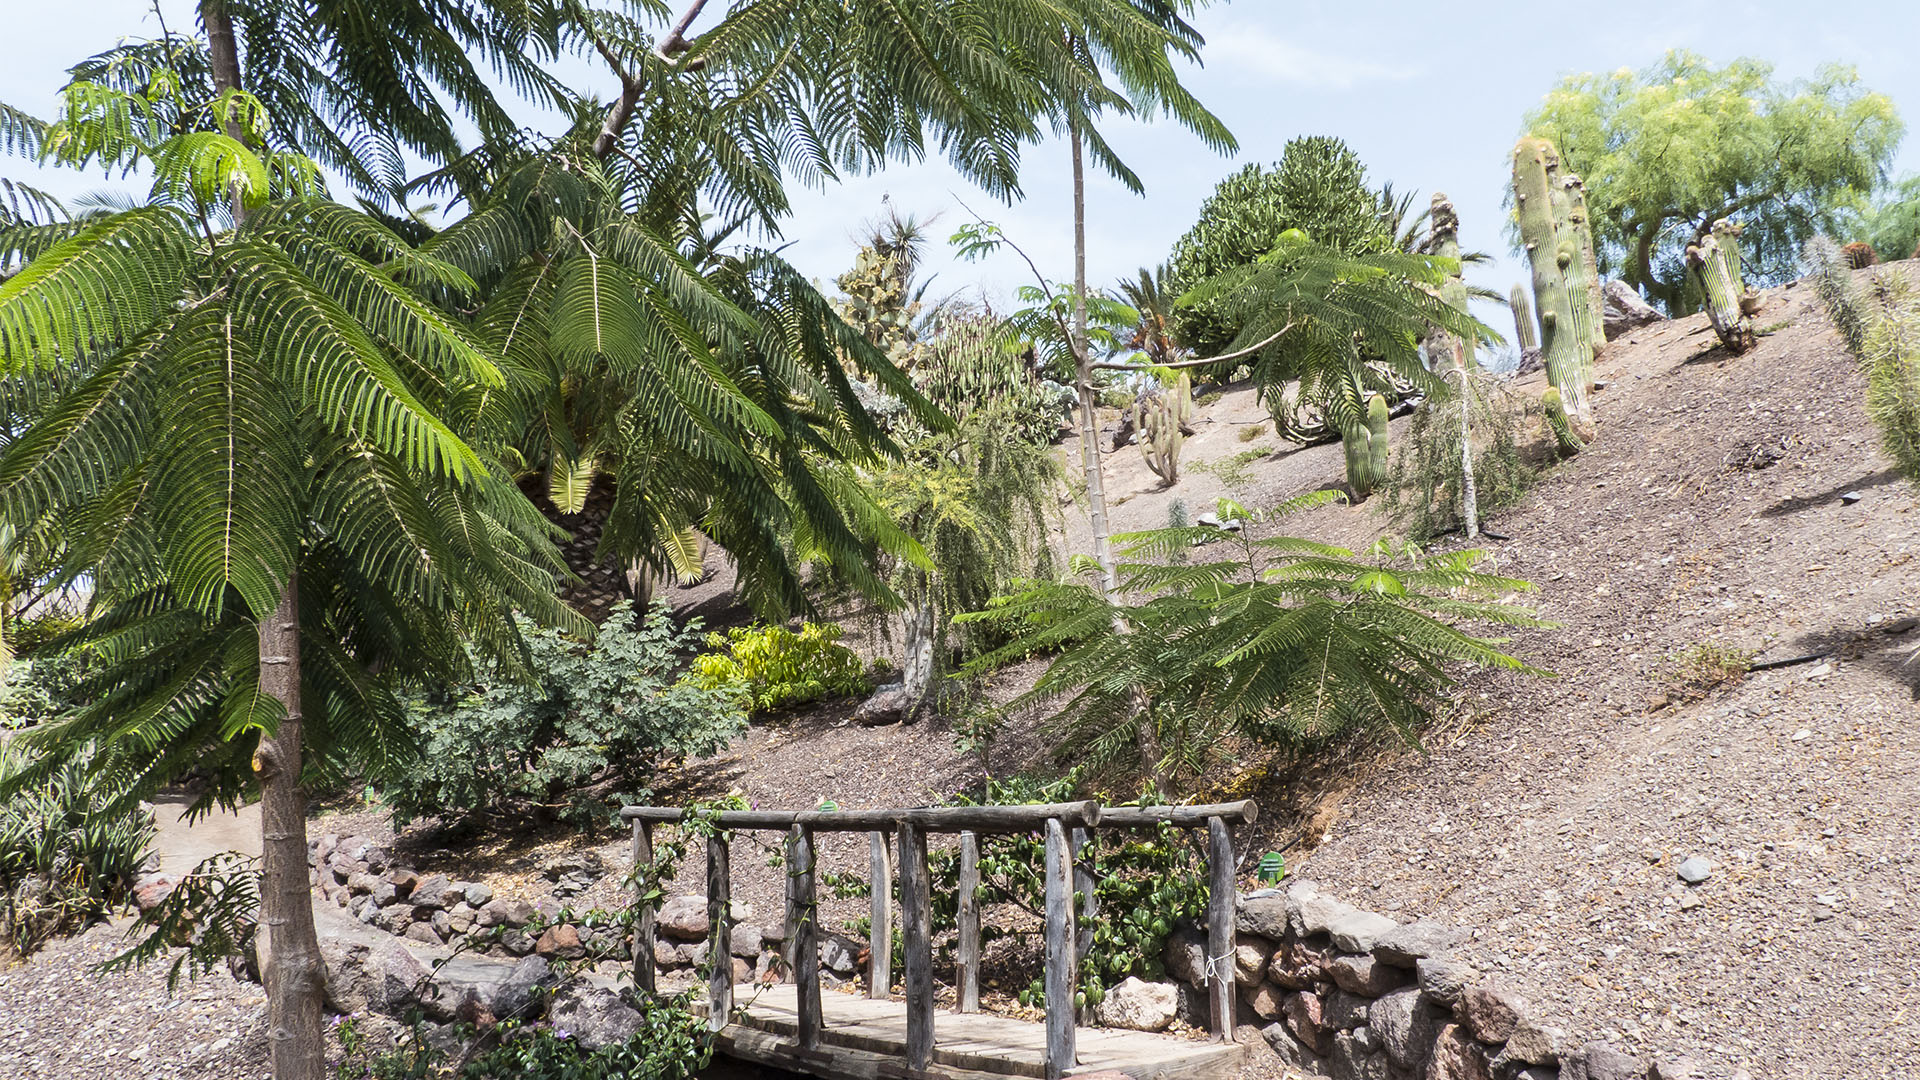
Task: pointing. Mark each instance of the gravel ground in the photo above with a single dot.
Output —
(1555, 824)
(59, 1020)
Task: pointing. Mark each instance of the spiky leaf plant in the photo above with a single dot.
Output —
(1281, 640)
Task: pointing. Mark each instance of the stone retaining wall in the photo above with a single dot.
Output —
(1354, 995)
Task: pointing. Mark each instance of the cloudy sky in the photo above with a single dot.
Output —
(1429, 94)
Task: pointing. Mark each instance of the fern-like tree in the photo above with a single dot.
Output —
(1274, 641)
(1345, 326)
(245, 405)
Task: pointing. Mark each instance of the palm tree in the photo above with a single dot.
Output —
(244, 400)
(1152, 301)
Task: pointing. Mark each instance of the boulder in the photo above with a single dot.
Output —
(1457, 1057)
(425, 933)
(1345, 1011)
(1405, 1023)
(504, 913)
(1366, 976)
(1491, 1009)
(1622, 309)
(1306, 1018)
(888, 705)
(1290, 1051)
(1139, 1006)
(560, 943)
(433, 892)
(1266, 1000)
(1405, 946)
(1598, 1061)
(368, 971)
(1352, 1059)
(1442, 980)
(478, 895)
(595, 1017)
(1359, 931)
(1264, 915)
(1530, 1044)
(840, 955)
(683, 918)
(745, 941)
(1186, 955)
(516, 942)
(1300, 964)
(1250, 961)
(403, 880)
(152, 890)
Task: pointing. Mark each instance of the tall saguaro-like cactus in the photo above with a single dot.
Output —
(1554, 250)
(1526, 331)
(1715, 260)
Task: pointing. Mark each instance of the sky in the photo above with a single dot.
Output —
(1430, 95)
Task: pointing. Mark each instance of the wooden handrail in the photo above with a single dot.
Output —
(898, 845)
(928, 819)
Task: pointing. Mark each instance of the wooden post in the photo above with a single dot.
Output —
(916, 919)
(1061, 1014)
(643, 933)
(967, 945)
(803, 943)
(1088, 907)
(1222, 904)
(880, 918)
(719, 933)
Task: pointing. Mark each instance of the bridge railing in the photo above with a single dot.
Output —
(898, 842)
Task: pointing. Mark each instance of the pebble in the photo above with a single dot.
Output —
(1694, 870)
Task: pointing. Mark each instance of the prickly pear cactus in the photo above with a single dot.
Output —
(1564, 437)
(1715, 261)
(877, 303)
(1160, 418)
(1377, 446)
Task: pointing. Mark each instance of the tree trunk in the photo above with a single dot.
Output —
(1083, 376)
(1147, 740)
(917, 659)
(292, 967)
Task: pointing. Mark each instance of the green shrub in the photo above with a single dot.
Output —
(1423, 493)
(38, 690)
(69, 846)
(771, 667)
(32, 634)
(588, 735)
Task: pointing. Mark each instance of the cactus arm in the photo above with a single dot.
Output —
(1377, 446)
(1526, 331)
(1717, 266)
(1564, 436)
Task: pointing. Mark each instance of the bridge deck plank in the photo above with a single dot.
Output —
(864, 1039)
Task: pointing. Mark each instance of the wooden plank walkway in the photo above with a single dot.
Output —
(862, 1039)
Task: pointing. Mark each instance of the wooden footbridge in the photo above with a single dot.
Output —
(836, 1036)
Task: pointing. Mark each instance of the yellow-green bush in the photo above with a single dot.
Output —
(775, 668)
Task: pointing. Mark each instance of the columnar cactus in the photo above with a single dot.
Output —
(1573, 204)
(1564, 436)
(1715, 261)
(1160, 417)
(1354, 441)
(1445, 243)
(1526, 331)
(1567, 329)
(1377, 447)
